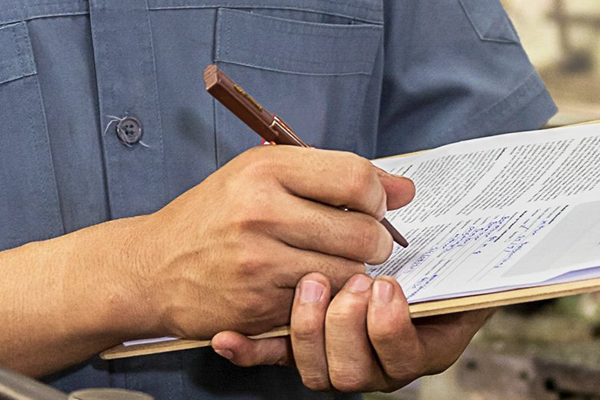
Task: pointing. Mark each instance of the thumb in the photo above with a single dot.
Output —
(246, 352)
(400, 190)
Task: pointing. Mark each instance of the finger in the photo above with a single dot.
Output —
(351, 363)
(392, 333)
(339, 179)
(308, 331)
(399, 190)
(352, 235)
(246, 352)
(447, 336)
(294, 263)
(283, 266)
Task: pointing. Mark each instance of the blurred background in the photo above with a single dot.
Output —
(547, 350)
(562, 38)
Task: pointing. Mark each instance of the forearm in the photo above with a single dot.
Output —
(65, 299)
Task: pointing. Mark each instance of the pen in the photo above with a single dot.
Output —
(269, 126)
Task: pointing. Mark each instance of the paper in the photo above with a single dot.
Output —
(150, 341)
(499, 213)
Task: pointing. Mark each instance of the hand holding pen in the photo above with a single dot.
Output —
(269, 126)
(228, 254)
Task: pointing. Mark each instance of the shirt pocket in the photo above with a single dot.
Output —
(29, 207)
(314, 75)
(490, 21)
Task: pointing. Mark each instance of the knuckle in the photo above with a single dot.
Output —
(383, 334)
(345, 271)
(246, 219)
(365, 240)
(349, 381)
(342, 313)
(250, 215)
(307, 330)
(360, 177)
(316, 382)
(260, 162)
(383, 243)
(250, 262)
(257, 156)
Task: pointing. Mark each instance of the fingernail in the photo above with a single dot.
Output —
(224, 353)
(311, 291)
(358, 284)
(383, 292)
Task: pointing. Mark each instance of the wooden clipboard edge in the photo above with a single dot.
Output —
(503, 298)
(122, 351)
(418, 310)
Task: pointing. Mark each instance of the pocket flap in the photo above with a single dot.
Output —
(278, 44)
(16, 55)
(490, 20)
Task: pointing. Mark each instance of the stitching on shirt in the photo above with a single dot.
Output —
(38, 11)
(307, 9)
(9, 65)
(35, 135)
(26, 6)
(112, 196)
(528, 87)
(286, 61)
(228, 46)
(4, 18)
(485, 35)
(53, 185)
(18, 47)
(358, 62)
(217, 4)
(368, 35)
(377, 9)
(176, 2)
(152, 65)
(288, 71)
(292, 26)
(28, 57)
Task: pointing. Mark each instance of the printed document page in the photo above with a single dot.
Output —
(499, 213)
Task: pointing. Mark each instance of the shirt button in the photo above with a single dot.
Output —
(129, 131)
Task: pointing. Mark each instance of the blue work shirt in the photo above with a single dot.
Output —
(373, 77)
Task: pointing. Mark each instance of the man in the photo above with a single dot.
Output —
(104, 118)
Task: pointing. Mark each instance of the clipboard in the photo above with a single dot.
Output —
(417, 310)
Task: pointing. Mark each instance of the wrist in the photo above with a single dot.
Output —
(114, 257)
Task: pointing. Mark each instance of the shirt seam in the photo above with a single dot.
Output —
(531, 90)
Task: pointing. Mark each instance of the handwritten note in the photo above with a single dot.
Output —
(500, 212)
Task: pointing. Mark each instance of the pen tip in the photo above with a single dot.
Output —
(398, 238)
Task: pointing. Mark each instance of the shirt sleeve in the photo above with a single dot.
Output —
(454, 70)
